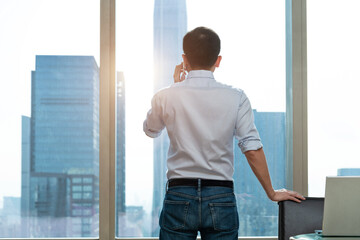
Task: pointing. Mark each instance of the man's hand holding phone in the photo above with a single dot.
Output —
(179, 73)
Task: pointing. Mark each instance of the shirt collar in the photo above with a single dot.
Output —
(200, 74)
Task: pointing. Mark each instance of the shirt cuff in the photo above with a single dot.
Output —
(250, 145)
(149, 132)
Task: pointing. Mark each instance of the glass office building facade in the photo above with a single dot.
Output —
(64, 148)
(65, 115)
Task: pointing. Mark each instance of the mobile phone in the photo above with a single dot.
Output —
(183, 66)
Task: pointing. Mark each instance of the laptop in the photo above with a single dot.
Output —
(342, 207)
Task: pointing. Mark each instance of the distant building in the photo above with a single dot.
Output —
(10, 219)
(133, 223)
(120, 146)
(257, 214)
(348, 172)
(25, 175)
(11, 206)
(170, 26)
(64, 159)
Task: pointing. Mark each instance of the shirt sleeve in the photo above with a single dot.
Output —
(153, 124)
(245, 129)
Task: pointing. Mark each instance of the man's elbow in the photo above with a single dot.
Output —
(250, 153)
(253, 154)
(149, 132)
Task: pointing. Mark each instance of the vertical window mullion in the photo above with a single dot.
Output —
(296, 78)
(107, 121)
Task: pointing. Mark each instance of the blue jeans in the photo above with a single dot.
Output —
(210, 210)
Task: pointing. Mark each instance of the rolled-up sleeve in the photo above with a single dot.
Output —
(153, 124)
(245, 129)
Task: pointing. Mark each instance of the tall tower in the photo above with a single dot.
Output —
(64, 160)
(170, 26)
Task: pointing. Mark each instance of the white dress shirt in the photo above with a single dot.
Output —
(202, 116)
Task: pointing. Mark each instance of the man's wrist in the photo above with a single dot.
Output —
(271, 193)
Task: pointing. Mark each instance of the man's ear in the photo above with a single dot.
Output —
(218, 60)
(186, 62)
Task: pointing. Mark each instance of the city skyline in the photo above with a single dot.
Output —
(269, 124)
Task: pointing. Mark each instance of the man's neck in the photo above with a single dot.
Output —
(212, 69)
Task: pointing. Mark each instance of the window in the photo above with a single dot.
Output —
(253, 50)
(50, 118)
(333, 53)
(76, 188)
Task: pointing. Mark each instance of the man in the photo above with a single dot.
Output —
(202, 116)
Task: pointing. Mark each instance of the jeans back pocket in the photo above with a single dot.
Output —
(174, 214)
(225, 216)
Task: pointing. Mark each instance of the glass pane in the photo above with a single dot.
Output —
(333, 83)
(149, 45)
(49, 96)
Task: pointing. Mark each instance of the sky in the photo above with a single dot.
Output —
(253, 51)
(333, 89)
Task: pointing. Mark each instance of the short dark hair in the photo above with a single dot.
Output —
(201, 47)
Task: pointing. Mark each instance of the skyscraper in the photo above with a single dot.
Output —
(257, 214)
(170, 25)
(64, 160)
(64, 149)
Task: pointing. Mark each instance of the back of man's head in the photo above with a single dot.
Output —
(201, 47)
